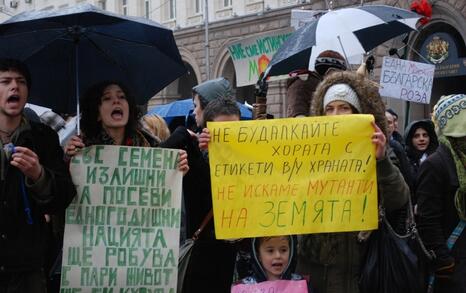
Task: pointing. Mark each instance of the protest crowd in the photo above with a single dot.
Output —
(417, 243)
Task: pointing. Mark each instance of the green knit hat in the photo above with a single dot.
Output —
(450, 115)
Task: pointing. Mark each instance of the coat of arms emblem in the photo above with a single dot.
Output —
(437, 50)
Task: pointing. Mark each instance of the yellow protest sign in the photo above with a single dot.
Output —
(293, 176)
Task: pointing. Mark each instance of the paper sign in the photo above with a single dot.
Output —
(122, 229)
(280, 286)
(293, 176)
(406, 80)
(252, 55)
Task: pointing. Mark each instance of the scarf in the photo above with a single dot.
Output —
(458, 151)
(135, 139)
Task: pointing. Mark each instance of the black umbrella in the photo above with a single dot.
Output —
(69, 49)
(349, 31)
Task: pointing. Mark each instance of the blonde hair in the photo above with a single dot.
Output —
(157, 126)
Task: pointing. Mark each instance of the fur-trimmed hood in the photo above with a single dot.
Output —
(367, 91)
(259, 271)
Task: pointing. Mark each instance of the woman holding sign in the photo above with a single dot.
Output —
(333, 260)
(110, 117)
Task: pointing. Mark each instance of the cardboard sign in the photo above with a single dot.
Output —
(252, 55)
(293, 176)
(280, 286)
(406, 80)
(122, 229)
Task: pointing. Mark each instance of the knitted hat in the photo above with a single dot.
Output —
(450, 115)
(342, 92)
(329, 59)
(213, 89)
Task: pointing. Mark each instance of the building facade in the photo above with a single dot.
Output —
(204, 48)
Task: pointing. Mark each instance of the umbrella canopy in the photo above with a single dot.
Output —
(349, 31)
(182, 108)
(69, 49)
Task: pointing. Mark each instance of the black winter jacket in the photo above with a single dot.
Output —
(22, 245)
(437, 185)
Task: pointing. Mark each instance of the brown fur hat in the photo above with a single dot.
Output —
(368, 93)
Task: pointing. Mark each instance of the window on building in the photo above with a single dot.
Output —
(102, 4)
(288, 2)
(227, 3)
(124, 7)
(197, 6)
(147, 8)
(172, 9)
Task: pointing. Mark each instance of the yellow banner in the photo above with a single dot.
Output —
(293, 176)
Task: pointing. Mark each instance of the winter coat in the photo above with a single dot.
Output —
(398, 156)
(212, 261)
(413, 154)
(333, 259)
(438, 217)
(299, 93)
(23, 245)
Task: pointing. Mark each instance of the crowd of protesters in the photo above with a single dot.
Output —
(426, 169)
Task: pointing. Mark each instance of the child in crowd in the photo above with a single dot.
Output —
(273, 258)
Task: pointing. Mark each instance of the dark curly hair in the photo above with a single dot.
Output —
(90, 103)
(15, 65)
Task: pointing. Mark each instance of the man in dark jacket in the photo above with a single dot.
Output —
(441, 192)
(34, 181)
(395, 134)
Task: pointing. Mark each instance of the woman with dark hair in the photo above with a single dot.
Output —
(110, 116)
(421, 141)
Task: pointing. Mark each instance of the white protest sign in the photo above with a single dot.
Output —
(122, 229)
(406, 80)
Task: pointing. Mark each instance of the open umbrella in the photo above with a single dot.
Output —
(69, 49)
(349, 31)
(182, 108)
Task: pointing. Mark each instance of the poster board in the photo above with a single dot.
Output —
(293, 176)
(252, 55)
(122, 228)
(406, 80)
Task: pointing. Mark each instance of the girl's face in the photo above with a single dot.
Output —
(198, 111)
(274, 254)
(421, 139)
(113, 108)
(338, 108)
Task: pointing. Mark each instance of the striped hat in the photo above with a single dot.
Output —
(450, 115)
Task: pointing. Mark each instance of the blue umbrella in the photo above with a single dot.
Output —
(183, 108)
(69, 49)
